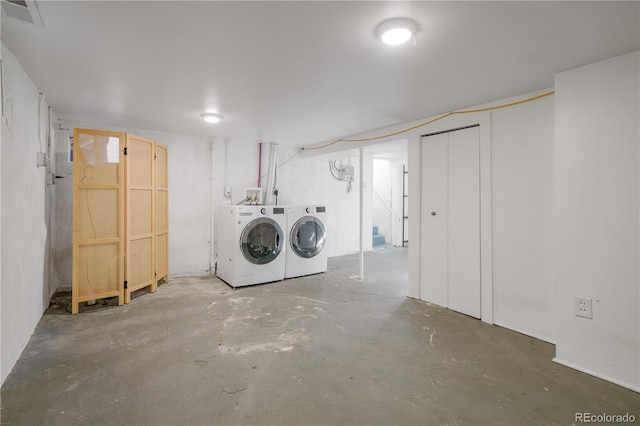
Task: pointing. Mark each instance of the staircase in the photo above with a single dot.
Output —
(378, 240)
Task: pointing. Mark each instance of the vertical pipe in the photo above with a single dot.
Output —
(361, 214)
(404, 192)
(51, 199)
(226, 162)
(259, 165)
(271, 174)
(212, 247)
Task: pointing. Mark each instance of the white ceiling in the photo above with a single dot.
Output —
(302, 72)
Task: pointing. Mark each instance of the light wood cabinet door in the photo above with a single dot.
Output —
(98, 219)
(120, 215)
(140, 204)
(162, 212)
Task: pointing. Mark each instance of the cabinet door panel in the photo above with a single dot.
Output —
(98, 212)
(140, 200)
(162, 212)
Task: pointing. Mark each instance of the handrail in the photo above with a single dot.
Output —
(391, 210)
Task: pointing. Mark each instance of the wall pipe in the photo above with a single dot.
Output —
(226, 162)
(212, 244)
(361, 276)
(271, 174)
(259, 164)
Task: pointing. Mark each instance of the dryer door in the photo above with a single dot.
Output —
(261, 241)
(308, 236)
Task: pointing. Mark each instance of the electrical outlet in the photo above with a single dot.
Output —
(43, 159)
(584, 307)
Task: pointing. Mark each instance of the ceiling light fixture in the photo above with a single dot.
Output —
(211, 117)
(397, 31)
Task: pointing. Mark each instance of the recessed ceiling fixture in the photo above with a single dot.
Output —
(211, 117)
(397, 31)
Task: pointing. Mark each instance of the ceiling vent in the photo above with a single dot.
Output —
(22, 10)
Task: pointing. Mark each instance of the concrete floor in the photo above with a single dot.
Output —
(324, 349)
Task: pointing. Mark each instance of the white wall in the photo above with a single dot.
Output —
(49, 134)
(236, 167)
(3, 130)
(63, 209)
(190, 194)
(597, 232)
(24, 203)
(522, 187)
(299, 181)
(305, 181)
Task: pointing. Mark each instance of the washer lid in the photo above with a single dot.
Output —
(261, 241)
(308, 236)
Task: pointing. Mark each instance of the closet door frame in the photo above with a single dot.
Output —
(415, 203)
(451, 220)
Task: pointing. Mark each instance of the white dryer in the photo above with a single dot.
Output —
(251, 244)
(307, 234)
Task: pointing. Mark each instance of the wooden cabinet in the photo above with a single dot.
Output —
(162, 211)
(120, 215)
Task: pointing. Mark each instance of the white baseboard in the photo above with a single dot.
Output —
(630, 386)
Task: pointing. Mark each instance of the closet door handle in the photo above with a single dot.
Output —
(433, 213)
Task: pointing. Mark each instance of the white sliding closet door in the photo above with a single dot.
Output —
(435, 223)
(451, 220)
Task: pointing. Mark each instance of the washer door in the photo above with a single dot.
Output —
(261, 241)
(308, 236)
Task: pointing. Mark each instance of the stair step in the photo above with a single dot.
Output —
(378, 240)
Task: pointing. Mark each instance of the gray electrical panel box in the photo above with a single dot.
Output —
(347, 173)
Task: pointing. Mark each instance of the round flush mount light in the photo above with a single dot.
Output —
(211, 117)
(397, 31)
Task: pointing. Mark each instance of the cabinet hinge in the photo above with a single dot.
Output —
(155, 274)
(125, 285)
(125, 150)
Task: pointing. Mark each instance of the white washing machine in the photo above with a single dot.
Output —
(307, 236)
(251, 244)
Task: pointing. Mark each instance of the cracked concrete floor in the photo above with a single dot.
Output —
(323, 349)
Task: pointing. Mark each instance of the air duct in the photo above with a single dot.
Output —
(23, 10)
